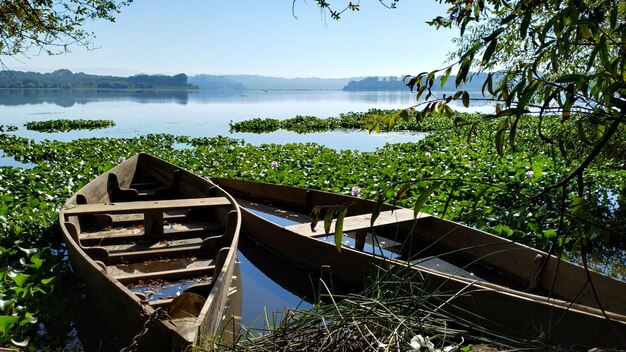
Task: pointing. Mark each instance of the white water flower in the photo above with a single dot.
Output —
(427, 154)
(356, 191)
(530, 174)
(274, 164)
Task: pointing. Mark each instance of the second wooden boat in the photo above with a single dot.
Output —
(486, 280)
(156, 247)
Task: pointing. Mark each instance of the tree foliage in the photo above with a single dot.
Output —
(560, 60)
(50, 26)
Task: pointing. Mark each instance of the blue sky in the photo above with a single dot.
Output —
(258, 37)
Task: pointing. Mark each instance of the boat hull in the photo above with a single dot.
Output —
(114, 251)
(495, 307)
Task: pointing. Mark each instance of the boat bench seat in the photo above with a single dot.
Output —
(176, 231)
(360, 222)
(152, 210)
(207, 245)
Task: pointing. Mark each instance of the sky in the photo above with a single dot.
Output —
(259, 37)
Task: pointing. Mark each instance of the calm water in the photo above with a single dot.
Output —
(201, 113)
(207, 114)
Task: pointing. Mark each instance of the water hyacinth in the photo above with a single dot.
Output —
(427, 154)
(356, 191)
(530, 174)
(121, 159)
(274, 164)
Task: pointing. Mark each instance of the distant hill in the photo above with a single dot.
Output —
(265, 82)
(210, 82)
(396, 83)
(66, 79)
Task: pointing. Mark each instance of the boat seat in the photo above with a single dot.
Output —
(153, 190)
(118, 193)
(214, 242)
(360, 222)
(204, 289)
(176, 231)
(166, 274)
(151, 210)
(94, 252)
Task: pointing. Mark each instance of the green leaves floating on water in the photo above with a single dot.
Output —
(64, 125)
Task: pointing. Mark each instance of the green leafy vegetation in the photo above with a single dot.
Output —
(8, 128)
(475, 185)
(378, 118)
(65, 125)
(556, 64)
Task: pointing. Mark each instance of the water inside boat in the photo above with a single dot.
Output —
(163, 289)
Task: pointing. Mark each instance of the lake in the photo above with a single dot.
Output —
(202, 113)
(207, 114)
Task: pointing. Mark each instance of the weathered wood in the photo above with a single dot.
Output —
(359, 222)
(102, 215)
(180, 273)
(145, 206)
(177, 231)
(492, 305)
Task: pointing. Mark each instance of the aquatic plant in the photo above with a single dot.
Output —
(382, 119)
(474, 185)
(65, 125)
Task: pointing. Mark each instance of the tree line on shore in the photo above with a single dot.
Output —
(66, 79)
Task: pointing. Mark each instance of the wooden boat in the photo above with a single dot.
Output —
(486, 280)
(153, 242)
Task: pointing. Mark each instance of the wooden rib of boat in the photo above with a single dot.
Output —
(149, 237)
(488, 281)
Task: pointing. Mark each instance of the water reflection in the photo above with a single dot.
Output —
(70, 97)
(271, 285)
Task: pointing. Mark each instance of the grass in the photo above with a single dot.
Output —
(394, 313)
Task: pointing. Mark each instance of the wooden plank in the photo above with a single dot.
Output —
(145, 206)
(132, 256)
(141, 247)
(127, 234)
(167, 274)
(359, 222)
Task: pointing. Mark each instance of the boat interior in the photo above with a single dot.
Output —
(395, 235)
(159, 232)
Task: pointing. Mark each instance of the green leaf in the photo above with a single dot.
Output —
(423, 197)
(529, 93)
(28, 319)
(28, 251)
(377, 209)
(5, 304)
(315, 214)
(47, 281)
(525, 23)
(341, 214)
(20, 279)
(466, 99)
(445, 76)
(501, 136)
(328, 219)
(6, 322)
(22, 343)
(489, 52)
